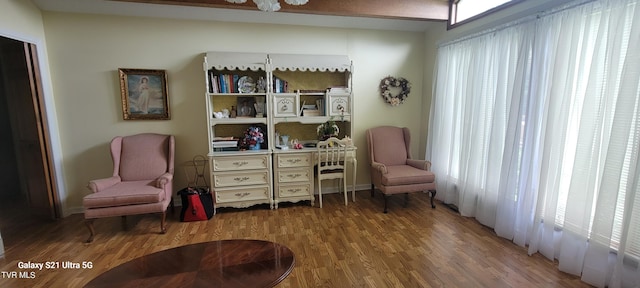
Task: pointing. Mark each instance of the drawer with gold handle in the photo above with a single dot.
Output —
(236, 163)
(231, 179)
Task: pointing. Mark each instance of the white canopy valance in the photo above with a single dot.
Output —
(282, 62)
(305, 62)
(236, 61)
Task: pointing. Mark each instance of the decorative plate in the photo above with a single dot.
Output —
(246, 84)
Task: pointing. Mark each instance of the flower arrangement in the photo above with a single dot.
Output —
(392, 82)
(253, 137)
(327, 129)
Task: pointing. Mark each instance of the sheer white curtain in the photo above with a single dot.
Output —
(470, 116)
(534, 131)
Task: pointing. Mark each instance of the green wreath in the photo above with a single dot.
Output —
(388, 82)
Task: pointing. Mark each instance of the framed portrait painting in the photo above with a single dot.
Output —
(246, 107)
(144, 94)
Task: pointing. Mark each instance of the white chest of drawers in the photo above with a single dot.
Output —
(293, 177)
(241, 180)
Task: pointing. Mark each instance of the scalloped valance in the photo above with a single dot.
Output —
(304, 62)
(282, 62)
(236, 61)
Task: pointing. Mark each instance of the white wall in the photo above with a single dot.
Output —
(431, 40)
(85, 52)
(21, 20)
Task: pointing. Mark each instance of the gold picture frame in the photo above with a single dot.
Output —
(144, 94)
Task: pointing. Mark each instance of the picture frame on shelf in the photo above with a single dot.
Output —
(246, 107)
(144, 94)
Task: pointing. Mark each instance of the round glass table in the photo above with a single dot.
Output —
(223, 263)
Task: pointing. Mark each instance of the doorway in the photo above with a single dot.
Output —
(28, 195)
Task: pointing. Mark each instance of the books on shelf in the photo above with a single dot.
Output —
(320, 107)
(212, 81)
(228, 83)
(224, 138)
(311, 91)
(223, 83)
(279, 85)
(224, 142)
(309, 110)
(225, 149)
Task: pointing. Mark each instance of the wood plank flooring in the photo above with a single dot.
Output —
(336, 246)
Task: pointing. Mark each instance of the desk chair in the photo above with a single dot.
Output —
(331, 155)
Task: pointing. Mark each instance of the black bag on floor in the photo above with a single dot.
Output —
(197, 204)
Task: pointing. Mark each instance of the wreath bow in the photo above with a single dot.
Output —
(392, 82)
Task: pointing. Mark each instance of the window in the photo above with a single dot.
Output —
(467, 10)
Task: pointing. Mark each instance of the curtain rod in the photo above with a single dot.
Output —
(510, 24)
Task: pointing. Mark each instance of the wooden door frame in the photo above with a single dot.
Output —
(40, 90)
(35, 80)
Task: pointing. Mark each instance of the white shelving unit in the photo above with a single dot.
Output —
(272, 175)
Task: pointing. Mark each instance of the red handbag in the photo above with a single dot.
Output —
(196, 205)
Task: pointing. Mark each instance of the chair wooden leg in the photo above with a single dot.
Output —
(406, 200)
(353, 194)
(385, 202)
(92, 232)
(433, 195)
(320, 192)
(372, 189)
(124, 223)
(346, 192)
(163, 228)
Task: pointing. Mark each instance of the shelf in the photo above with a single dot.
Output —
(239, 153)
(312, 94)
(238, 120)
(238, 94)
(310, 119)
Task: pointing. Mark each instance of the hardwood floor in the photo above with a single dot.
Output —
(336, 246)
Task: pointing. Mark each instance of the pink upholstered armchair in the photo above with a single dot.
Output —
(393, 170)
(142, 180)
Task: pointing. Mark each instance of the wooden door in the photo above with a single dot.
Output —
(22, 90)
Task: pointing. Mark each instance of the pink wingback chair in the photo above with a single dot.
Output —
(142, 180)
(393, 170)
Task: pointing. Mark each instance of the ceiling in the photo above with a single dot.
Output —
(401, 15)
(401, 9)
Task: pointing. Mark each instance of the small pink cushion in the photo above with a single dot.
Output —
(405, 175)
(125, 193)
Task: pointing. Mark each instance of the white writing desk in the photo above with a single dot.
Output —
(294, 172)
